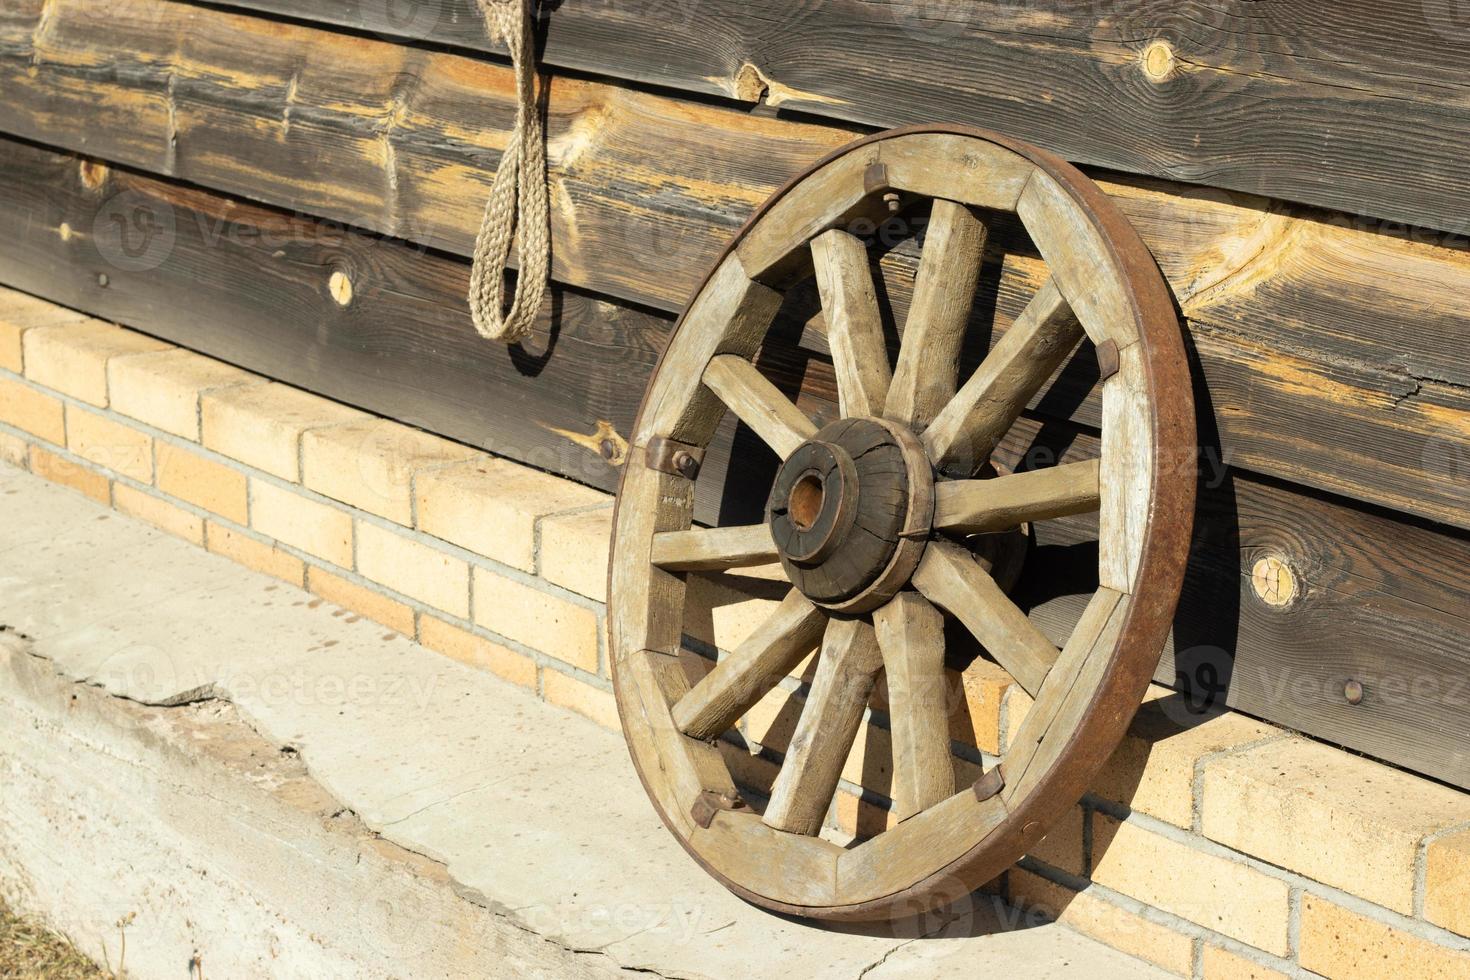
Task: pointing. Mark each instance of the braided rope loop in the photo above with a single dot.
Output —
(518, 198)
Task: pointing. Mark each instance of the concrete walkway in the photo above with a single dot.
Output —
(263, 781)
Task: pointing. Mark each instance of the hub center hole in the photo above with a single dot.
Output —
(805, 503)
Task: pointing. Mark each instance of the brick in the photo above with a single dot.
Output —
(870, 761)
(566, 691)
(1153, 769)
(257, 555)
(414, 569)
(1094, 916)
(111, 445)
(1342, 944)
(370, 464)
(160, 513)
(575, 550)
(34, 411)
(979, 692)
(358, 599)
(1062, 846)
(10, 347)
(543, 622)
(19, 313)
(163, 388)
(12, 449)
(491, 507)
(478, 652)
(1337, 818)
(856, 817)
(1212, 891)
(59, 469)
(202, 482)
(316, 528)
(261, 425)
(1447, 882)
(771, 721)
(72, 357)
(1222, 964)
(1015, 703)
(722, 610)
(749, 770)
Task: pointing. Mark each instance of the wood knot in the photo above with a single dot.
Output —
(93, 173)
(749, 84)
(1158, 61)
(1274, 582)
(340, 287)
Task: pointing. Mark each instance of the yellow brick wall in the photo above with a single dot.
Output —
(1213, 847)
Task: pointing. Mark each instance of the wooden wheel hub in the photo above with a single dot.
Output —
(842, 505)
(878, 551)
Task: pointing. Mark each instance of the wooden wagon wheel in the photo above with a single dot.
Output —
(869, 515)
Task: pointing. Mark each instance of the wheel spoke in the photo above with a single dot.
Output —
(758, 403)
(744, 676)
(714, 549)
(829, 722)
(854, 326)
(966, 432)
(948, 576)
(911, 636)
(977, 506)
(929, 358)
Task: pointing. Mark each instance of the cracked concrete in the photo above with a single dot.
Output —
(272, 787)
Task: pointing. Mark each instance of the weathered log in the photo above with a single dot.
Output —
(1366, 99)
(1333, 355)
(251, 285)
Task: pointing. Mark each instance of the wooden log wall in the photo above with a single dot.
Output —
(1347, 104)
(1333, 373)
(1297, 315)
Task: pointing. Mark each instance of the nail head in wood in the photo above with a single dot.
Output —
(1352, 691)
(989, 784)
(1107, 360)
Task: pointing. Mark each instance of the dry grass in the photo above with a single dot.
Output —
(31, 951)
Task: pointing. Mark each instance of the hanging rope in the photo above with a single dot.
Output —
(518, 195)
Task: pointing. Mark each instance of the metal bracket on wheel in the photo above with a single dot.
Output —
(710, 803)
(989, 784)
(671, 456)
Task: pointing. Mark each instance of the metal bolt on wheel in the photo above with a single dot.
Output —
(869, 518)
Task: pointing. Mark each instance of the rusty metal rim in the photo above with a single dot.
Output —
(1164, 554)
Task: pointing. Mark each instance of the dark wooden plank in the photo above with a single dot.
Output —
(250, 286)
(1367, 100)
(1334, 355)
(395, 140)
(1386, 601)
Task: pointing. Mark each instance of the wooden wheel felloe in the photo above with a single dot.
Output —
(870, 519)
